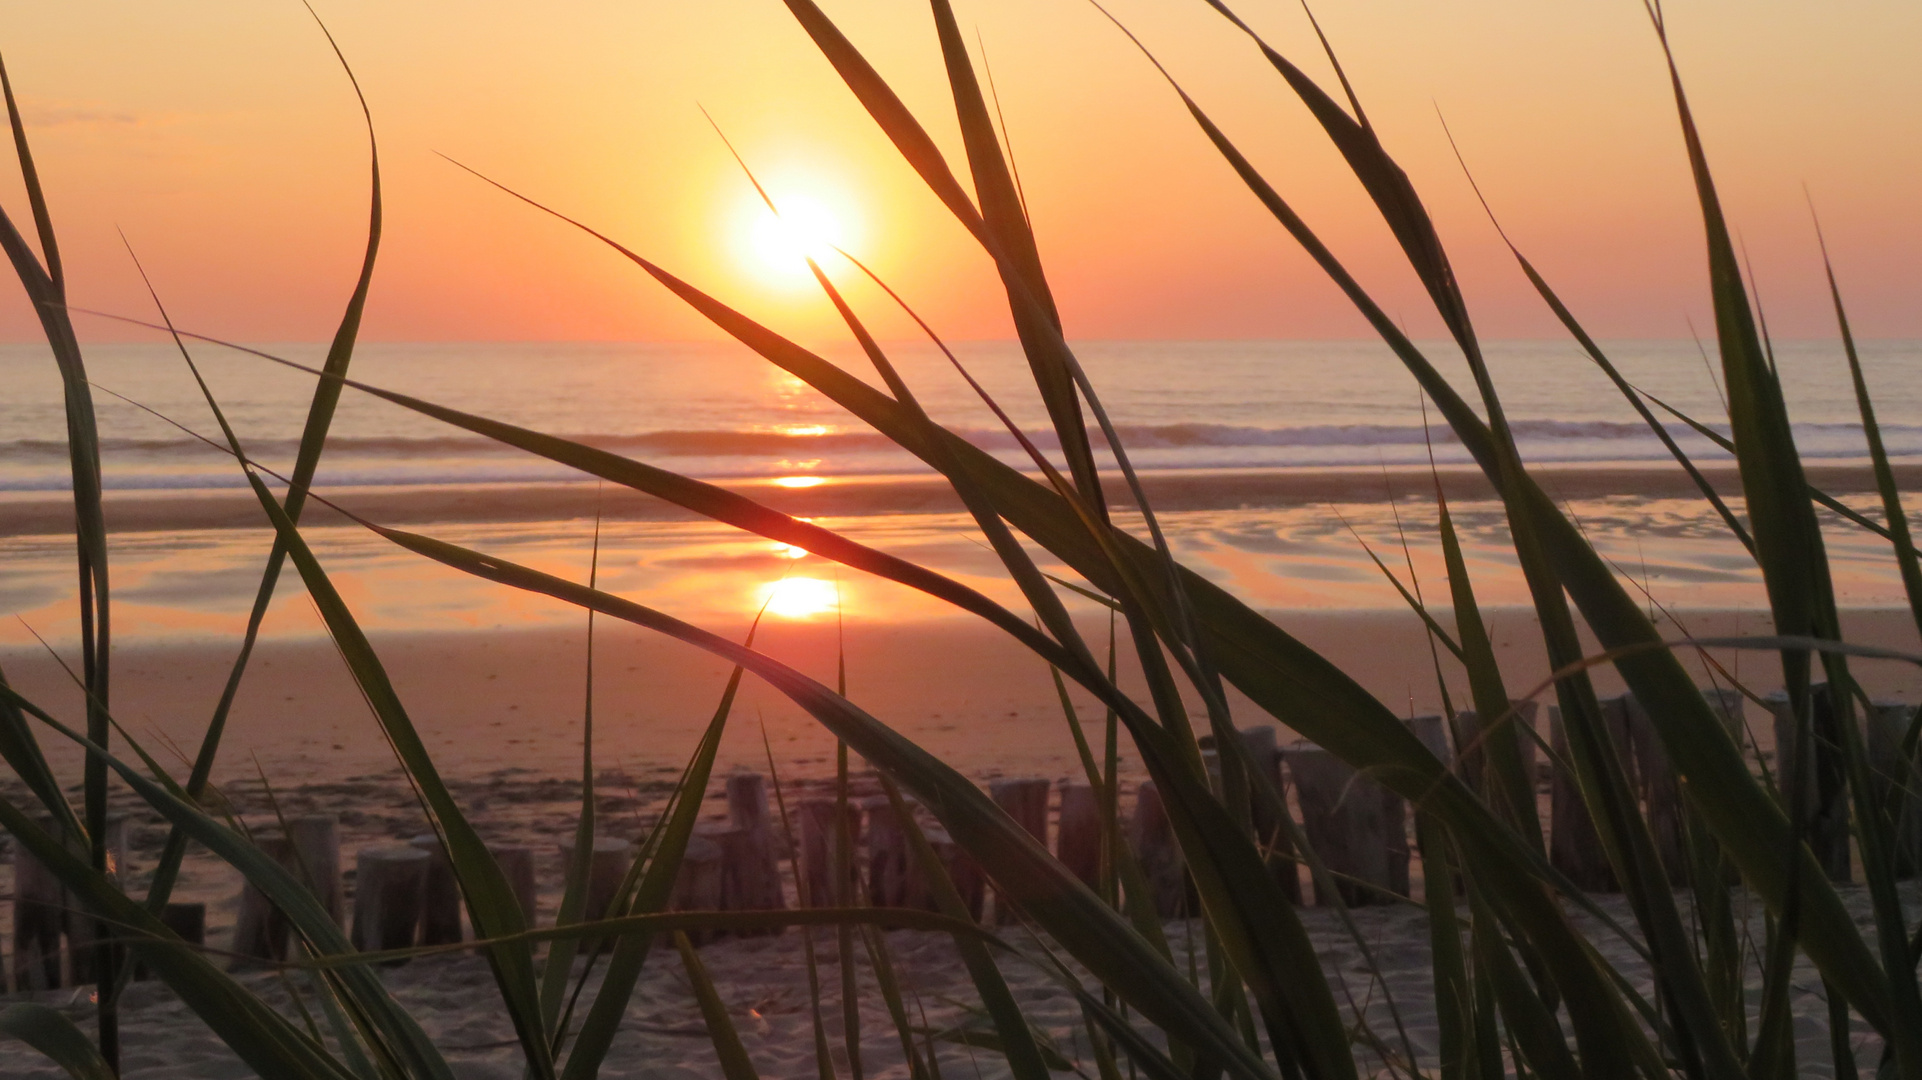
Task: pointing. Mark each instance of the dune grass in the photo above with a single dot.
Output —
(1520, 988)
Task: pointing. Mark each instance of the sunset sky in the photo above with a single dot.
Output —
(222, 137)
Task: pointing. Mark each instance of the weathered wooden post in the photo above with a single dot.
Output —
(517, 866)
(1355, 825)
(1078, 834)
(1433, 733)
(607, 865)
(81, 932)
(39, 918)
(260, 930)
(1026, 801)
(1472, 736)
(759, 869)
(698, 886)
(315, 839)
(1574, 844)
(1275, 840)
(893, 879)
(1659, 790)
(1897, 781)
(1827, 796)
(439, 896)
(1159, 854)
(961, 868)
(815, 821)
(388, 879)
(189, 924)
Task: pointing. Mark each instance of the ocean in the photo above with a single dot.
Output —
(716, 411)
(1284, 465)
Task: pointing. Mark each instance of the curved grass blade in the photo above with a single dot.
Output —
(50, 1032)
(490, 901)
(735, 1064)
(46, 289)
(1005, 218)
(560, 955)
(1906, 561)
(1794, 564)
(1018, 1045)
(648, 889)
(1601, 360)
(313, 438)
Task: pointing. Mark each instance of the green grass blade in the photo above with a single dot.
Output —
(652, 889)
(560, 955)
(320, 414)
(735, 1064)
(1906, 561)
(1794, 565)
(51, 1033)
(1024, 1054)
(823, 1061)
(881, 961)
(46, 290)
(1003, 216)
(21, 751)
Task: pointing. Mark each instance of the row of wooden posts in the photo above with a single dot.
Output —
(407, 894)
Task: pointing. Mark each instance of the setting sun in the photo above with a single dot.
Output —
(809, 226)
(801, 597)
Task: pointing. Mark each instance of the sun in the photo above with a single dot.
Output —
(812, 222)
(801, 597)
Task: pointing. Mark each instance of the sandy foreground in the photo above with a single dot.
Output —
(501, 711)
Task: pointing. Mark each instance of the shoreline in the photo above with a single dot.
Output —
(25, 514)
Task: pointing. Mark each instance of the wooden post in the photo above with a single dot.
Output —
(816, 824)
(517, 865)
(316, 859)
(962, 870)
(1470, 740)
(1888, 723)
(81, 953)
(1433, 734)
(388, 880)
(1574, 844)
(1354, 824)
(1078, 834)
(698, 885)
(260, 930)
(189, 924)
(1827, 794)
(1659, 790)
(893, 879)
(759, 867)
(1274, 839)
(1156, 849)
(607, 866)
(1026, 801)
(38, 920)
(439, 896)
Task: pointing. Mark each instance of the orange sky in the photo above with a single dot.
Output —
(220, 135)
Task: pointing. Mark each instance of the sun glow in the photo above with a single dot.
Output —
(801, 597)
(811, 222)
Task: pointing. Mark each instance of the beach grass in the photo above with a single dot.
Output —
(1519, 986)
